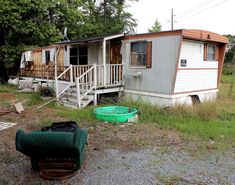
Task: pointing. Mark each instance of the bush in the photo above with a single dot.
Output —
(229, 69)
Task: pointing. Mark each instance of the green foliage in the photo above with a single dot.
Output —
(30, 23)
(229, 68)
(156, 27)
(106, 17)
(209, 120)
(229, 56)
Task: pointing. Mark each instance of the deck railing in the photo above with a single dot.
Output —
(45, 72)
(109, 75)
(85, 84)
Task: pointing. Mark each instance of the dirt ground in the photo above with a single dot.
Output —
(103, 164)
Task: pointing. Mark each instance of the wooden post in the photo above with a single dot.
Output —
(56, 80)
(78, 93)
(104, 61)
(95, 75)
(71, 74)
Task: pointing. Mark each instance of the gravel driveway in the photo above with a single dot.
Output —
(153, 166)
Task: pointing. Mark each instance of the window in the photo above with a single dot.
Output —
(210, 52)
(141, 54)
(138, 54)
(83, 56)
(79, 56)
(47, 56)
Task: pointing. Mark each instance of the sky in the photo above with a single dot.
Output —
(212, 15)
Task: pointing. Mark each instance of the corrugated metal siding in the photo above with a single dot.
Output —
(160, 77)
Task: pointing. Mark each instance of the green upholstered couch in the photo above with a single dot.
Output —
(51, 146)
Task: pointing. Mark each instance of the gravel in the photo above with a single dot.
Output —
(153, 166)
(146, 166)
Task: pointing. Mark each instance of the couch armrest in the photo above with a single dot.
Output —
(79, 141)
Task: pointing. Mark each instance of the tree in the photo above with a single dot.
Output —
(26, 24)
(156, 27)
(230, 53)
(229, 61)
(107, 17)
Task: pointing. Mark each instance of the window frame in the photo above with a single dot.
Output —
(47, 54)
(146, 53)
(213, 53)
(207, 53)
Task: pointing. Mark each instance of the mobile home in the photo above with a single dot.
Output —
(163, 68)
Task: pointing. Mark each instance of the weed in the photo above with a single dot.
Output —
(84, 117)
(45, 123)
(206, 111)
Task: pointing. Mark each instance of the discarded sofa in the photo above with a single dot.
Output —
(56, 154)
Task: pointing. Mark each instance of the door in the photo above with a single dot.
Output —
(116, 58)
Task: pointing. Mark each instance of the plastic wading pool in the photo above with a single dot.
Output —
(114, 114)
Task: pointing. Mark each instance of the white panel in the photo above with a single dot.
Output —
(43, 57)
(22, 64)
(193, 80)
(93, 53)
(192, 51)
(52, 54)
(29, 56)
(66, 56)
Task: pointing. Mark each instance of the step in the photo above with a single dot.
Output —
(71, 101)
(70, 105)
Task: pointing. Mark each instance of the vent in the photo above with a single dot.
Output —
(195, 99)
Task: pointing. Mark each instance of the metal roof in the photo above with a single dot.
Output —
(90, 39)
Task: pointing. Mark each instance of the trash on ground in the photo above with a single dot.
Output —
(5, 125)
(19, 107)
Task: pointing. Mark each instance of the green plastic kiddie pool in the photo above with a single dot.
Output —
(114, 114)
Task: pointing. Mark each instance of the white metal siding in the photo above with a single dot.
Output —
(194, 80)
(198, 74)
(192, 51)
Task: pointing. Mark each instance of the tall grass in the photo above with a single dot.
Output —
(204, 120)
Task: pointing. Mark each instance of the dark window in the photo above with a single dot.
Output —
(74, 56)
(47, 56)
(83, 58)
(78, 56)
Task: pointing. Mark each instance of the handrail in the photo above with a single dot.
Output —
(64, 72)
(84, 87)
(86, 72)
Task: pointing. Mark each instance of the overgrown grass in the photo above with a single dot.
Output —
(83, 117)
(210, 120)
(28, 99)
